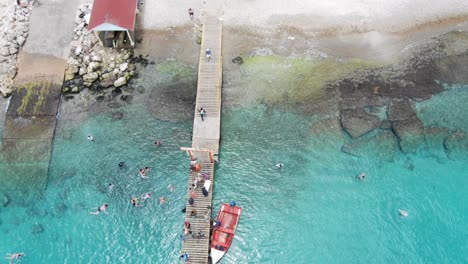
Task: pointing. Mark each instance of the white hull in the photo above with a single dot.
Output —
(216, 255)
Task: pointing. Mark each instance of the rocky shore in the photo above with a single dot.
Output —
(92, 66)
(14, 28)
(379, 104)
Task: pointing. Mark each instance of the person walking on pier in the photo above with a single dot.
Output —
(190, 12)
(202, 113)
(208, 54)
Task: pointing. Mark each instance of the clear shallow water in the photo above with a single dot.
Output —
(80, 171)
(312, 211)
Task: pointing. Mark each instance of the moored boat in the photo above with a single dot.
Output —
(224, 230)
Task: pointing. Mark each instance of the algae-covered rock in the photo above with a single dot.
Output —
(358, 122)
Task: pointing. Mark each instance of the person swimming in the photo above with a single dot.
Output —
(121, 164)
(403, 213)
(171, 188)
(279, 165)
(14, 256)
(146, 196)
(361, 176)
(134, 202)
(90, 137)
(157, 143)
(143, 173)
(110, 187)
(162, 200)
(100, 209)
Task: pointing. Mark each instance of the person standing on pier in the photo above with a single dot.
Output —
(190, 12)
(202, 113)
(208, 54)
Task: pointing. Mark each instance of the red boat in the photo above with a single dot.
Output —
(224, 230)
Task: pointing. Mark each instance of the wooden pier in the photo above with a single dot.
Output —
(205, 141)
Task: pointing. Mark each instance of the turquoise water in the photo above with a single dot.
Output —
(311, 211)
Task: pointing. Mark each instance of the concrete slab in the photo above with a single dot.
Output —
(51, 27)
(35, 99)
(23, 176)
(29, 127)
(26, 150)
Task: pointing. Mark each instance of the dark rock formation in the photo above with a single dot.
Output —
(126, 98)
(238, 60)
(456, 145)
(400, 110)
(6, 200)
(37, 229)
(435, 139)
(382, 146)
(358, 122)
(410, 133)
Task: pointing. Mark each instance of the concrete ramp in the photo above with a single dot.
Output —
(30, 122)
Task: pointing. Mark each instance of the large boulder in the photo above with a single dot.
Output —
(108, 79)
(410, 133)
(71, 71)
(358, 122)
(120, 82)
(90, 77)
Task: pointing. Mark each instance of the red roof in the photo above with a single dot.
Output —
(120, 13)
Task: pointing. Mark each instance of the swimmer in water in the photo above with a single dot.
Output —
(110, 187)
(134, 202)
(90, 138)
(403, 213)
(162, 200)
(14, 256)
(157, 143)
(146, 196)
(121, 164)
(361, 176)
(171, 188)
(279, 165)
(143, 173)
(100, 209)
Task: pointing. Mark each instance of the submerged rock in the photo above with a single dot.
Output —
(238, 60)
(61, 208)
(456, 145)
(400, 109)
(126, 98)
(410, 133)
(435, 139)
(358, 122)
(381, 146)
(117, 116)
(116, 91)
(329, 131)
(37, 229)
(6, 200)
